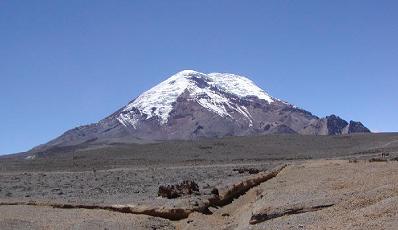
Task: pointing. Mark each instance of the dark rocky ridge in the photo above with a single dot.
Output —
(188, 119)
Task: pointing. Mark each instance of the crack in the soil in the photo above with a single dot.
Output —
(166, 213)
(223, 196)
(286, 211)
(230, 192)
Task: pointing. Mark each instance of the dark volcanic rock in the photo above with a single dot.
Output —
(178, 190)
(335, 124)
(357, 127)
(249, 170)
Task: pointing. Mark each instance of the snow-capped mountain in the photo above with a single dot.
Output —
(209, 90)
(191, 105)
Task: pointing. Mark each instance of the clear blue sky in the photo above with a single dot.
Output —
(69, 63)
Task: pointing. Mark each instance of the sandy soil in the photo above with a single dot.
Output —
(33, 217)
(363, 195)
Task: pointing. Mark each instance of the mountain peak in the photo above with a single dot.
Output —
(209, 90)
(188, 72)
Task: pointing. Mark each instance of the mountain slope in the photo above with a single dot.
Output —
(192, 105)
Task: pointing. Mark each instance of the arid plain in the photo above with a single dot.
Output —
(259, 182)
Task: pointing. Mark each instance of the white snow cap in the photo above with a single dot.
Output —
(158, 101)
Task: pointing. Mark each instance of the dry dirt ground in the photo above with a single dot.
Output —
(318, 194)
(321, 187)
(331, 194)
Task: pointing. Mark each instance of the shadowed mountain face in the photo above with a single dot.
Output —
(192, 105)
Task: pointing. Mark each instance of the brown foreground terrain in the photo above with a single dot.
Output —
(271, 182)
